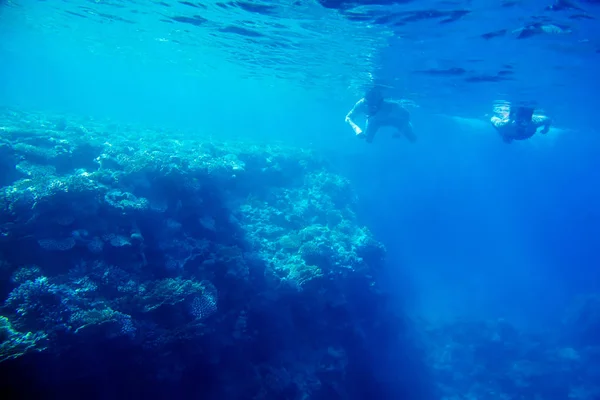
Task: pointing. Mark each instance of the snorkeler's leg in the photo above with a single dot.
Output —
(372, 126)
(541, 120)
(409, 133)
(404, 128)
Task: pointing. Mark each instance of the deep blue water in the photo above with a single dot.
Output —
(475, 228)
(487, 230)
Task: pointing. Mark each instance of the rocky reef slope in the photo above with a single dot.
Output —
(231, 271)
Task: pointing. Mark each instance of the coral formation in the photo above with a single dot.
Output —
(200, 255)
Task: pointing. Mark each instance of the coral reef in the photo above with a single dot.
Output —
(242, 264)
(494, 360)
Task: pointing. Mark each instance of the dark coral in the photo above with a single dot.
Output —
(493, 359)
(224, 270)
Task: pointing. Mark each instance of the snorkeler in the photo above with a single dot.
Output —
(520, 123)
(380, 113)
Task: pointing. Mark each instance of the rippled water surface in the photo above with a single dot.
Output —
(453, 57)
(298, 41)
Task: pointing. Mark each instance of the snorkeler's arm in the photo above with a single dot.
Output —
(356, 109)
(498, 122)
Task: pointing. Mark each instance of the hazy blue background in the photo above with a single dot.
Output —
(473, 226)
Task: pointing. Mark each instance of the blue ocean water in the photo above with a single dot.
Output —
(489, 286)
